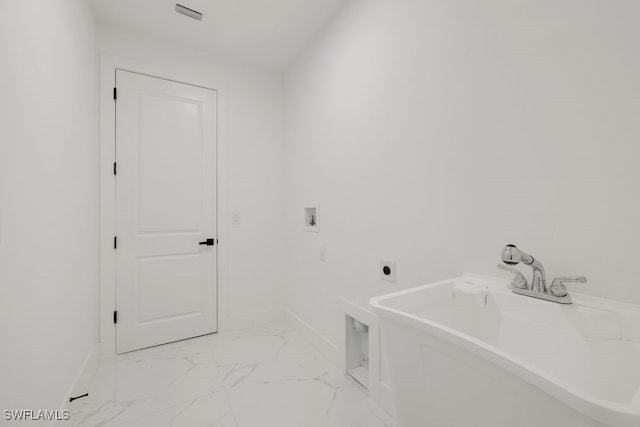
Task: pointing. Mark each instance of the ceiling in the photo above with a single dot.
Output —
(267, 33)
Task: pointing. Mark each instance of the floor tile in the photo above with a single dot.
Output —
(282, 403)
(144, 382)
(212, 410)
(251, 347)
(265, 377)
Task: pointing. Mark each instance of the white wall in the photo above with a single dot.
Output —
(48, 200)
(250, 167)
(435, 132)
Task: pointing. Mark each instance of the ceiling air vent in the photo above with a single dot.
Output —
(183, 10)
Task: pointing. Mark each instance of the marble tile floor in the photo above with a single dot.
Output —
(267, 377)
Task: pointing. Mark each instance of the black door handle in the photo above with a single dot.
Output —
(208, 242)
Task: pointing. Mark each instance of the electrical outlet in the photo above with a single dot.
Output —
(388, 271)
(323, 254)
(235, 218)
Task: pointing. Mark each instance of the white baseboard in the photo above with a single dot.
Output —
(280, 316)
(80, 384)
(256, 319)
(378, 391)
(327, 348)
(385, 398)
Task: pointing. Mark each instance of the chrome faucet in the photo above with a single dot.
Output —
(511, 255)
(538, 288)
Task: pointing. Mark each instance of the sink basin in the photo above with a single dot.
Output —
(469, 346)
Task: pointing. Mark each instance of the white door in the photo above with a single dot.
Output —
(166, 286)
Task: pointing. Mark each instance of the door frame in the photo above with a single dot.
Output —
(107, 144)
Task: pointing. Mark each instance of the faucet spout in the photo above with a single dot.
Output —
(538, 288)
(511, 255)
(539, 282)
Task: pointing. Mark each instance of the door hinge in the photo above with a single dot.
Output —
(115, 168)
(115, 242)
(115, 94)
(115, 316)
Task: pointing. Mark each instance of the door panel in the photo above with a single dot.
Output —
(158, 298)
(166, 286)
(170, 140)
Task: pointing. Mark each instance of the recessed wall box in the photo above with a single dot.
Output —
(357, 350)
(311, 219)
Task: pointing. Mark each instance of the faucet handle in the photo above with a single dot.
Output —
(558, 289)
(519, 281)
